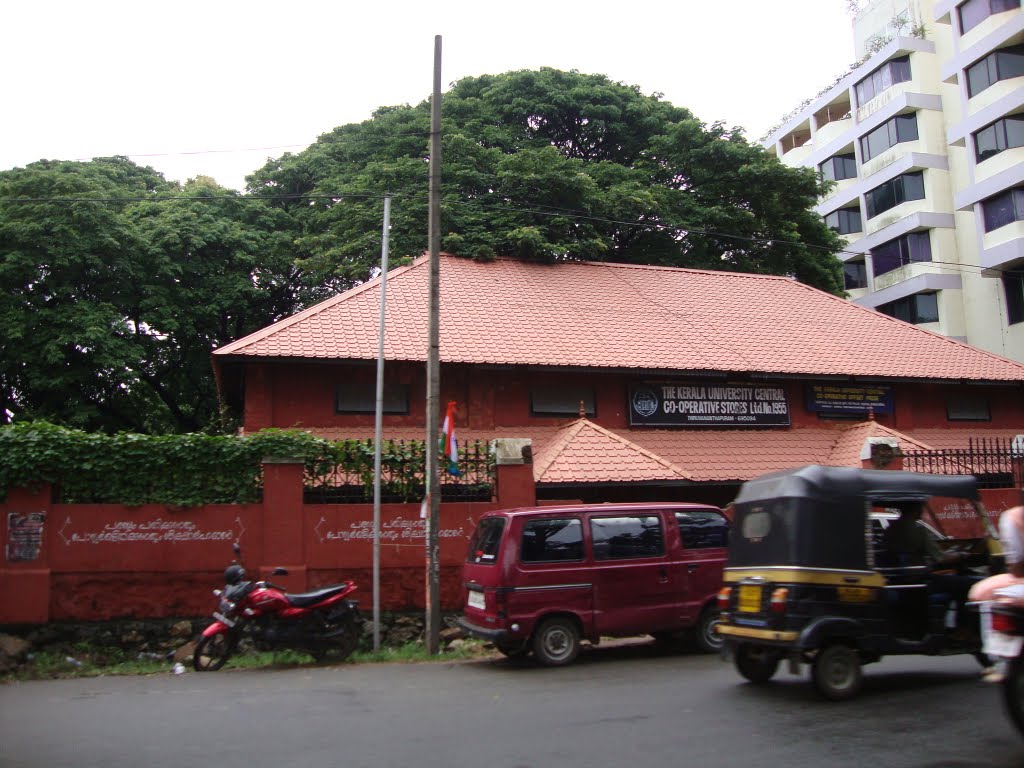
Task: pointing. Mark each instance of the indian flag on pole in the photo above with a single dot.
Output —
(448, 445)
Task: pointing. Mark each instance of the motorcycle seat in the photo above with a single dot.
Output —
(305, 599)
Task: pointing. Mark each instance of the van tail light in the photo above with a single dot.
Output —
(778, 601)
(723, 598)
(500, 602)
(1009, 623)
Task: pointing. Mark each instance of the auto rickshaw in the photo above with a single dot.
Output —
(809, 579)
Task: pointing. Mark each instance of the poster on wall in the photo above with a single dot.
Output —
(24, 535)
(700, 404)
(852, 399)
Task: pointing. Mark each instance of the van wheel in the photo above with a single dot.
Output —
(556, 642)
(758, 665)
(837, 672)
(705, 635)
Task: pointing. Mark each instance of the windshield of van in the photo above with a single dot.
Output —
(483, 544)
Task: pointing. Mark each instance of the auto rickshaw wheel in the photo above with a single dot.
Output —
(837, 672)
(756, 664)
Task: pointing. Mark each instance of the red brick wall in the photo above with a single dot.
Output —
(104, 561)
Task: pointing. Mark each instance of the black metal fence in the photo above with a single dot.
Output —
(993, 461)
(348, 477)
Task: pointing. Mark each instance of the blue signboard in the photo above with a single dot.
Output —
(852, 399)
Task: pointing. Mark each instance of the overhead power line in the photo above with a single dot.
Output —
(340, 197)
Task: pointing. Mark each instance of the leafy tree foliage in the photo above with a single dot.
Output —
(554, 165)
(115, 286)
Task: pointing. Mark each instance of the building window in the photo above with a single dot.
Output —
(915, 246)
(973, 12)
(967, 408)
(1003, 134)
(892, 72)
(855, 275)
(845, 221)
(562, 401)
(998, 65)
(362, 398)
(916, 309)
(909, 186)
(839, 167)
(1003, 209)
(1013, 285)
(888, 134)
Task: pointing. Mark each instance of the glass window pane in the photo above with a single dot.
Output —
(1013, 286)
(1014, 131)
(919, 246)
(618, 538)
(900, 69)
(997, 211)
(552, 540)
(886, 257)
(926, 308)
(977, 77)
(855, 275)
(906, 127)
(985, 143)
(483, 544)
(701, 530)
(972, 13)
(913, 186)
(1010, 62)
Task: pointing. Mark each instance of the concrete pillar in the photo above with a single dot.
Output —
(27, 527)
(283, 522)
(513, 458)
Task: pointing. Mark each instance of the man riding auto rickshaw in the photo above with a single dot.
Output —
(837, 567)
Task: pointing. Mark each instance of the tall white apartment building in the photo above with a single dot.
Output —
(924, 140)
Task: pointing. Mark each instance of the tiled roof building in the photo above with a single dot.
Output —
(626, 377)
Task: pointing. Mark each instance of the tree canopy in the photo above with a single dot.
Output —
(115, 284)
(552, 165)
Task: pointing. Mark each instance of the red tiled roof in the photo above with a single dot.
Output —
(615, 316)
(583, 452)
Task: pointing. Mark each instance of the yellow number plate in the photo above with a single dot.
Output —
(854, 594)
(750, 599)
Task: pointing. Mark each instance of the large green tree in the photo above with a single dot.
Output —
(554, 165)
(115, 285)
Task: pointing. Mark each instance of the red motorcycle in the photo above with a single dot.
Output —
(323, 623)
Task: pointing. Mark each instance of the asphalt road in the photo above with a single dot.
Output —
(621, 706)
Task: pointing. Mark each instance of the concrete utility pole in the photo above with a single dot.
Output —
(379, 422)
(433, 597)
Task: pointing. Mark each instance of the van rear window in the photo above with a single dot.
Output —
(484, 543)
(546, 541)
(701, 529)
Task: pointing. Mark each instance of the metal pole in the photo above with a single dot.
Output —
(379, 429)
(433, 575)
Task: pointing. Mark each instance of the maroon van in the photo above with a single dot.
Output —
(543, 579)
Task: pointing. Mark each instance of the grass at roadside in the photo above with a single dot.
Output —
(84, 660)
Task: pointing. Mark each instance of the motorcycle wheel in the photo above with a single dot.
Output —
(343, 641)
(1013, 693)
(212, 652)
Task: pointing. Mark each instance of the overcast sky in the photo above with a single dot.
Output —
(216, 87)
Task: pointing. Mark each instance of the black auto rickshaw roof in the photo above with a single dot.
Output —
(821, 483)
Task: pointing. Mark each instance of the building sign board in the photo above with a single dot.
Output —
(703, 404)
(838, 399)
